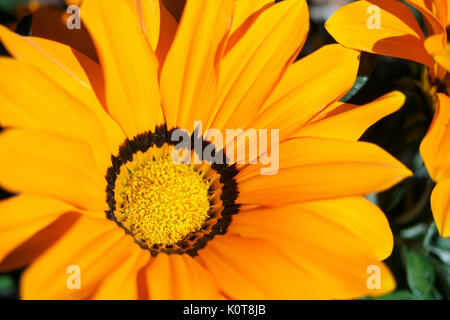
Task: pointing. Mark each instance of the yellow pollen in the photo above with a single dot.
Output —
(163, 202)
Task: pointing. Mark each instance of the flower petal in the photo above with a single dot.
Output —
(440, 205)
(334, 257)
(50, 22)
(95, 246)
(250, 268)
(30, 100)
(23, 216)
(130, 67)
(435, 147)
(74, 72)
(254, 65)
(148, 14)
(399, 34)
(123, 282)
(167, 35)
(179, 277)
(349, 122)
(243, 9)
(435, 14)
(56, 166)
(440, 54)
(158, 25)
(189, 75)
(307, 87)
(34, 246)
(358, 216)
(315, 168)
(71, 71)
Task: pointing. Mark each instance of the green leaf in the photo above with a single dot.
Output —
(398, 195)
(7, 286)
(420, 273)
(444, 255)
(414, 232)
(443, 243)
(434, 295)
(10, 5)
(430, 236)
(435, 244)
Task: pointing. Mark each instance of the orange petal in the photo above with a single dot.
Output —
(167, 34)
(440, 54)
(440, 205)
(435, 14)
(123, 282)
(316, 168)
(435, 147)
(243, 9)
(130, 67)
(358, 216)
(25, 215)
(189, 75)
(148, 14)
(250, 268)
(56, 166)
(448, 13)
(31, 101)
(35, 245)
(158, 25)
(51, 23)
(444, 59)
(349, 122)
(72, 73)
(95, 246)
(307, 87)
(179, 277)
(54, 59)
(398, 34)
(255, 64)
(335, 258)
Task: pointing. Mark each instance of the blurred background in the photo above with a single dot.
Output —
(421, 259)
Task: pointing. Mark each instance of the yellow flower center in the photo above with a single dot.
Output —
(163, 202)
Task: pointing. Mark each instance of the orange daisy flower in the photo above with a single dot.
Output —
(390, 28)
(87, 148)
(400, 36)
